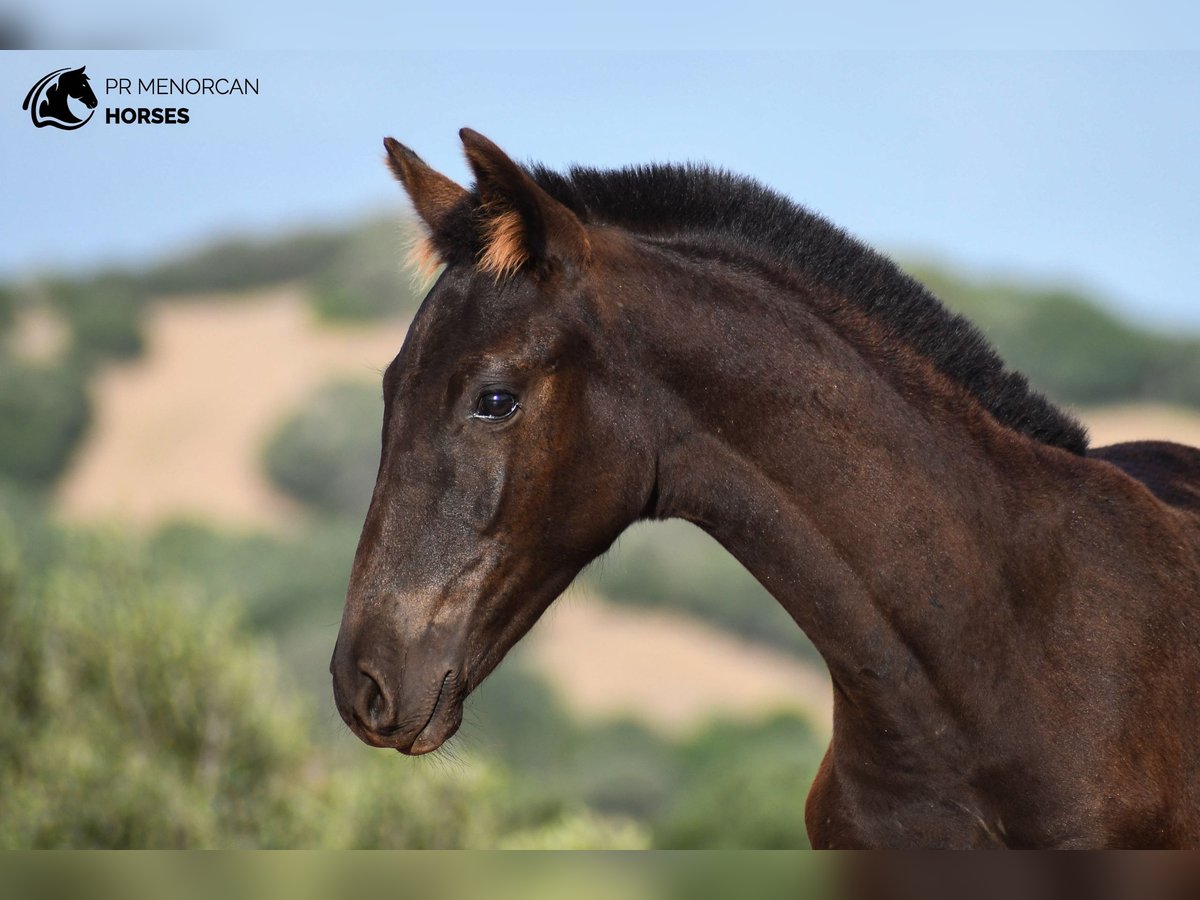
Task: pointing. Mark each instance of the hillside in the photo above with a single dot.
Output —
(195, 409)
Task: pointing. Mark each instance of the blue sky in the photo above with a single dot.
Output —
(1072, 166)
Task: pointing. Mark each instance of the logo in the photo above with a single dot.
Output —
(48, 101)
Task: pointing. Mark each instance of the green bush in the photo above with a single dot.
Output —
(105, 315)
(516, 715)
(366, 280)
(136, 717)
(582, 831)
(473, 806)
(327, 454)
(731, 784)
(283, 581)
(8, 307)
(744, 788)
(241, 263)
(1071, 347)
(622, 768)
(136, 713)
(44, 412)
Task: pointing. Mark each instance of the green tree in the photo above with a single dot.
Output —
(327, 454)
(44, 412)
(105, 314)
(367, 279)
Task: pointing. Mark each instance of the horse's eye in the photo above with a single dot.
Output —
(495, 405)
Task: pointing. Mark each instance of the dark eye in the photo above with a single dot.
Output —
(494, 405)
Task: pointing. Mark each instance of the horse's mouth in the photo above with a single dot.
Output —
(444, 720)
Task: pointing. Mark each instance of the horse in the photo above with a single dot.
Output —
(1010, 617)
(47, 100)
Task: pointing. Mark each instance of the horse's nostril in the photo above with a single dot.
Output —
(371, 706)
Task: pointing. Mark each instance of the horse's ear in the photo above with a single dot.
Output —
(522, 223)
(433, 195)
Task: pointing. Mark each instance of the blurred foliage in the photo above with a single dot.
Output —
(743, 806)
(583, 831)
(281, 581)
(366, 279)
(44, 408)
(138, 713)
(327, 453)
(44, 412)
(731, 785)
(105, 315)
(8, 306)
(133, 716)
(242, 263)
(1070, 346)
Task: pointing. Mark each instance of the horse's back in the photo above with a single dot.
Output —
(1170, 471)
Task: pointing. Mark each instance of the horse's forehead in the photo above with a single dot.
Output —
(454, 321)
(480, 307)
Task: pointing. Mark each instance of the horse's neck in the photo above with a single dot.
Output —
(883, 527)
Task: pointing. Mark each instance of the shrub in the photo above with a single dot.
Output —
(8, 307)
(366, 280)
(583, 831)
(282, 581)
(44, 412)
(240, 263)
(136, 717)
(105, 314)
(327, 454)
(1071, 347)
(136, 713)
(745, 787)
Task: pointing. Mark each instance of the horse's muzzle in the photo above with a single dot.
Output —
(413, 710)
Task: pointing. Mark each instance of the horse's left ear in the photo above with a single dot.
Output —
(523, 225)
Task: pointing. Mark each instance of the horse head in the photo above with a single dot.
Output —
(77, 85)
(511, 451)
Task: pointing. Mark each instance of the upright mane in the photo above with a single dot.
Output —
(697, 201)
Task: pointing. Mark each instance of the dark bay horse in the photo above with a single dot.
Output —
(1011, 619)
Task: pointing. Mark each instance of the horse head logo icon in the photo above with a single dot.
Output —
(47, 101)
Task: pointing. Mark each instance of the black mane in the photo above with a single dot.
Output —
(699, 201)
